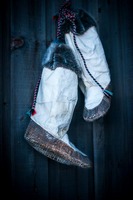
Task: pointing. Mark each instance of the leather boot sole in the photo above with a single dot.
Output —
(54, 148)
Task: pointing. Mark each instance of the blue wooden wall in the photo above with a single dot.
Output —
(26, 174)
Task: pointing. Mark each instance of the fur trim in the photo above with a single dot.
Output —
(60, 55)
(83, 22)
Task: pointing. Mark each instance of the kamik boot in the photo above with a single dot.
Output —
(95, 81)
(54, 104)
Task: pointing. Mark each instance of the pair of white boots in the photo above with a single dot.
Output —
(63, 71)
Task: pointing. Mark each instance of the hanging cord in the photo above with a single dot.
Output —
(65, 12)
(106, 92)
(32, 111)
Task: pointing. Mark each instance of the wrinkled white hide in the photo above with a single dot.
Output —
(55, 103)
(92, 50)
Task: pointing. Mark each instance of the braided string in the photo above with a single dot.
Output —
(74, 38)
(32, 110)
(35, 93)
(66, 13)
(105, 91)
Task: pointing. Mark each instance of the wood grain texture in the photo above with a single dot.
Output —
(5, 132)
(108, 141)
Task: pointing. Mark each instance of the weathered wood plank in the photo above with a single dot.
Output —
(99, 131)
(124, 170)
(6, 103)
(1, 90)
(68, 188)
(81, 136)
(116, 127)
(28, 22)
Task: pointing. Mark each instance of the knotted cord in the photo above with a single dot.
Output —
(65, 13)
(32, 110)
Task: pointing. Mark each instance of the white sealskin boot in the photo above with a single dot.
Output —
(95, 78)
(53, 111)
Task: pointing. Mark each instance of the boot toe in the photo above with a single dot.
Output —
(54, 148)
(97, 112)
